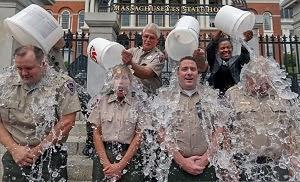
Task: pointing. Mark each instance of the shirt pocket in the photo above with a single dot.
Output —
(129, 126)
(12, 109)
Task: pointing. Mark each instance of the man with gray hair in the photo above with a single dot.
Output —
(147, 61)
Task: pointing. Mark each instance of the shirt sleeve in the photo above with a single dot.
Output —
(94, 117)
(69, 101)
(211, 51)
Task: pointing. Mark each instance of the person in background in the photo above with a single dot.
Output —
(117, 130)
(37, 111)
(224, 68)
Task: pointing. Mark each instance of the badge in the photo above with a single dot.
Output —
(70, 86)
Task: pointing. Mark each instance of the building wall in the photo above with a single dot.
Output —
(274, 9)
(73, 6)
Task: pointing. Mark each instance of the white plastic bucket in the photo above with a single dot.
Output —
(34, 26)
(234, 21)
(105, 52)
(183, 39)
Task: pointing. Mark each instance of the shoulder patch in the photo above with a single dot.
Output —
(70, 86)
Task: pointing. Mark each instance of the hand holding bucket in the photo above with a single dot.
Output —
(34, 26)
(183, 40)
(105, 52)
(233, 21)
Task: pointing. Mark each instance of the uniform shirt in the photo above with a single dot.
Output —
(117, 121)
(153, 59)
(261, 124)
(28, 114)
(186, 127)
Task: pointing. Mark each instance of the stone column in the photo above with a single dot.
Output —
(101, 25)
(7, 43)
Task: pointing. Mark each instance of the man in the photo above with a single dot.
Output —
(146, 62)
(225, 69)
(263, 133)
(187, 133)
(37, 111)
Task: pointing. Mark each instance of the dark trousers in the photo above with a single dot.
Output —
(51, 166)
(261, 169)
(114, 152)
(177, 174)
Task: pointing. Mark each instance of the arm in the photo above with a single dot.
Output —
(60, 130)
(99, 146)
(199, 56)
(140, 71)
(188, 164)
(19, 153)
(116, 168)
(133, 147)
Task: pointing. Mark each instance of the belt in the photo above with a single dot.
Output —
(116, 145)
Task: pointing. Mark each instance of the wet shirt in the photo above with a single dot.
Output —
(117, 121)
(28, 114)
(262, 124)
(153, 59)
(188, 131)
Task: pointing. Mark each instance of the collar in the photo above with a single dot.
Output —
(192, 92)
(17, 81)
(114, 98)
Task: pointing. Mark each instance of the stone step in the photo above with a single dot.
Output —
(79, 168)
(79, 129)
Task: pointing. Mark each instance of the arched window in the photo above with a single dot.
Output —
(267, 21)
(80, 19)
(49, 11)
(65, 19)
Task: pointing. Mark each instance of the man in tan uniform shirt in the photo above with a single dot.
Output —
(186, 134)
(264, 130)
(147, 61)
(37, 111)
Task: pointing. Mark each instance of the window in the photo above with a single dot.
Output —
(173, 20)
(125, 20)
(174, 17)
(158, 19)
(212, 21)
(286, 13)
(65, 19)
(80, 19)
(141, 19)
(267, 21)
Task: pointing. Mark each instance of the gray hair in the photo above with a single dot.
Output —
(154, 27)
